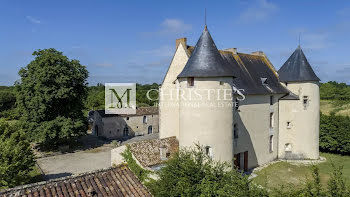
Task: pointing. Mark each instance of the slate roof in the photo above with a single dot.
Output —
(140, 111)
(297, 68)
(205, 60)
(249, 70)
(147, 152)
(119, 181)
(290, 96)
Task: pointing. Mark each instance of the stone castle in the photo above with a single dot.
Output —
(268, 114)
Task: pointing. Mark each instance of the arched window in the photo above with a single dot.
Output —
(126, 131)
(144, 119)
(150, 129)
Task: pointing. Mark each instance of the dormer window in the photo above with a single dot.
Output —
(190, 81)
(264, 81)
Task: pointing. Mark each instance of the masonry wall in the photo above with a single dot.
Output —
(168, 105)
(112, 127)
(254, 131)
(207, 121)
(303, 133)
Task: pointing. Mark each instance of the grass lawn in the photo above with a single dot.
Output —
(283, 173)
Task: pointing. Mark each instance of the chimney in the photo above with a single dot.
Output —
(232, 50)
(181, 40)
(258, 53)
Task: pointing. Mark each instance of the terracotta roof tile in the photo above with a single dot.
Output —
(119, 181)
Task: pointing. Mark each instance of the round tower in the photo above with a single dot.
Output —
(300, 110)
(205, 98)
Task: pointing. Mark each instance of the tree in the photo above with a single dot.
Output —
(50, 98)
(192, 173)
(16, 156)
(7, 103)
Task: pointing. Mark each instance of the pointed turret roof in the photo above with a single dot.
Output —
(205, 60)
(297, 68)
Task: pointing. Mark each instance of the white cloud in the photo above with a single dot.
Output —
(33, 20)
(261, 10)
(174, 26)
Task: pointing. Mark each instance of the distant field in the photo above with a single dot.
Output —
(283, 173)
(327, 106)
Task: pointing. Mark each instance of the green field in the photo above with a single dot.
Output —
(328, 106)
(283, 173)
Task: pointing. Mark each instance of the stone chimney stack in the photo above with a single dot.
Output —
(182, 41)
(232, 50)
(258, 53)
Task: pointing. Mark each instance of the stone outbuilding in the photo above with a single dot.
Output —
(124, 126)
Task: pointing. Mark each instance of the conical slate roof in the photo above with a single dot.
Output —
(206, 60)
(297, 68)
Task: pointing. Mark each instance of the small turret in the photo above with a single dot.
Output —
(300, 111)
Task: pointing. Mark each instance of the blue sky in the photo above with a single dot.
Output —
(133, 41)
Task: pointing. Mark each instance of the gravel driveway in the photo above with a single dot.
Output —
(75, 163)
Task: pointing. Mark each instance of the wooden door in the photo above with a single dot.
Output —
(246, 160)
(237, 160)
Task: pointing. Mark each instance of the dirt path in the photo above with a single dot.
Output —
(75, 163)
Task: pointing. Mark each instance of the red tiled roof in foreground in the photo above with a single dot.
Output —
(119, 181)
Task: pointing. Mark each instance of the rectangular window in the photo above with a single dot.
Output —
(144, 119)
(236, 104)
(271, 100)
(209, 151)
(190, 81)
(305, 101)
(235, 131)
(221, 83)
(289, 125)
(271, 120)
(271, 143)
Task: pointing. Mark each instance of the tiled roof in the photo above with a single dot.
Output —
(140, 111)
(148, 152)
(297, 68)
(249, 70)
(205, 60)
(119, 181)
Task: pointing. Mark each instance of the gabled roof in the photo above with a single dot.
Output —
(119, 181)
(297, 68)
(206, 61)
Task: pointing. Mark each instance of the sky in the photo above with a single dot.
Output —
(134, 41)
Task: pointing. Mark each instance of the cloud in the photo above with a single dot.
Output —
(33, 20)
(170, 27)
(174, 26)
(104, 64)
(261, 10)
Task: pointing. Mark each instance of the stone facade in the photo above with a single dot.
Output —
(111, 126)
(254, 133)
